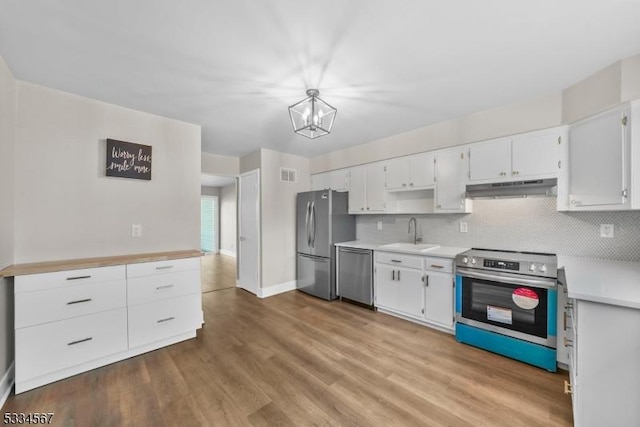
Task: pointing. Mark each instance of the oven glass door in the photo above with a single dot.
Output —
(516, 307)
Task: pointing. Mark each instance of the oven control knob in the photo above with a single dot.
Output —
(532, 267)
(543, 268)
(465, 260)
(473, 261)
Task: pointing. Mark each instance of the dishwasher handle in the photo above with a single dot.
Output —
(354, 250)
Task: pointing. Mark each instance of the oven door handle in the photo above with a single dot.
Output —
(508, 279)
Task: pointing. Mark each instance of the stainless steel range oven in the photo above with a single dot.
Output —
(506, 302)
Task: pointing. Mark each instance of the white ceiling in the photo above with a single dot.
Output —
(215, 181)
(234, 66)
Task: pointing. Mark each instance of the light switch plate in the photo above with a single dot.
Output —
(136, 230)
(463, 226)
(379, 225)
(607, 231)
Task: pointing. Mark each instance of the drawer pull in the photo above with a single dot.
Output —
(437, 266)
(568, 388)
(78, 277)
(396, 260)
(80, 341)
(164, 267)
(166, 320)
(568, 342)
(164, 287)
(80, 301)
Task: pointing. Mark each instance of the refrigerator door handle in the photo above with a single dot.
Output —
(313, 224)
(306, 223)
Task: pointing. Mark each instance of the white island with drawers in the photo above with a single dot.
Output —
(77, 315)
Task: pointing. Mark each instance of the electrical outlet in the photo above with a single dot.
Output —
(379, 225)
(463, 226)
(607, 231)
(136, 230)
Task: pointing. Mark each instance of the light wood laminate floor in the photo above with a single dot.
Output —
(218, 272)
(296, 360)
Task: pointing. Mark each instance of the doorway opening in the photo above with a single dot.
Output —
(218, 232)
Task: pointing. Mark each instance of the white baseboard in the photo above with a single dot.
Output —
(277, 289)
(7, 384)
(228, 253)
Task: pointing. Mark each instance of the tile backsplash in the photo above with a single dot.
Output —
(531, 224)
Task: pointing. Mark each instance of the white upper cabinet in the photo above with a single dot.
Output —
(410, 173)
(599, 161)
(524, 156)
(320, 181)
(367, 189)
(537, 153)
(451, 171)
(335, 180)
(490, 160)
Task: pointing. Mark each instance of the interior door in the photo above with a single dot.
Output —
(249, 232)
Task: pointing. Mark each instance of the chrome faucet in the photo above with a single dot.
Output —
(416, 239)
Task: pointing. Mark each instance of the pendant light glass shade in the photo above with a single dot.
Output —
(312, 117)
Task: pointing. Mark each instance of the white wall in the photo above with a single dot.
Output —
(228, 219)
(66, 206)
(279, 215)
(7, 206)
(216, 164)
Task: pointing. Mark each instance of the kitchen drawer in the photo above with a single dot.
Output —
(160, 267)
(438, 264)
(33, 308)
(158, 320)
(391, 258)
(60, 279)
(141, 290)
(53, 346)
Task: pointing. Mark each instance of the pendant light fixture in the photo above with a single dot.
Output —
(312, 117)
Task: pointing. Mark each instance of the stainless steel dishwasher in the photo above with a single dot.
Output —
(355, 275)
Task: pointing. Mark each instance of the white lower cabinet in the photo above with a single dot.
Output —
(53, 346)
(70, 322)
(439, 299)
(416, 287)
(603, 364)
(162, 319)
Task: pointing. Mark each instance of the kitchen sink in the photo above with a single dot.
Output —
(404, 246)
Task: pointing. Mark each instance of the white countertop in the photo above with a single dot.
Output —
(442, 251)
(603, 281)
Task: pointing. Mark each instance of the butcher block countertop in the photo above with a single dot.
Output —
(77, 264)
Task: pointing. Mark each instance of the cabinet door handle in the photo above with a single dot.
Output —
(398, 275)
(78, 277)
(164, 287)
(80, 301)
(393, 275)
(426, 280)
(80, 341)
(166, 320)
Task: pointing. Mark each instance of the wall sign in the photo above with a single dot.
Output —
(128, 160)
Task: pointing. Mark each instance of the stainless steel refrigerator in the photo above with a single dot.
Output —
(323, 220)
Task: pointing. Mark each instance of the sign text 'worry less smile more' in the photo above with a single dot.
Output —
(128, 160)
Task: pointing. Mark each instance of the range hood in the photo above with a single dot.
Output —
(497, 190)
